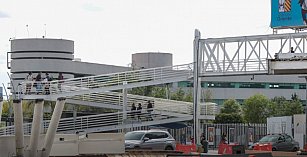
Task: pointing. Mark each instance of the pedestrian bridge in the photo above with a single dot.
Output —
(212, 57)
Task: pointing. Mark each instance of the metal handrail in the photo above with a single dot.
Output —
(100, 121)
(106, 80)
(116, 99)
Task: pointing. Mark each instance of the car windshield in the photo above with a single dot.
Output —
(134, 135)
(270, 138)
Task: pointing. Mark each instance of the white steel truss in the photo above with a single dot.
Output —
(247, 53)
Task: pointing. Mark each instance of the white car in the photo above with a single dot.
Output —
(150, 139)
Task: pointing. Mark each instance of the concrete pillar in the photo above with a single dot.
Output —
(196, 83)
(124, 103)
(53, 126)
(1, 106)
(18, 119)
(35, 131)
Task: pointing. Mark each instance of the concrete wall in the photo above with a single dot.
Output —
(244, 93)
(280, 125)
(299, 126)
(151, 60)
(52, 56)
(42, 44)
(72, 144)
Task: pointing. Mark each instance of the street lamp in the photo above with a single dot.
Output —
(305, 77)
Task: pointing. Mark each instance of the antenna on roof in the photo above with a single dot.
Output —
(27, 29)
(45, 27)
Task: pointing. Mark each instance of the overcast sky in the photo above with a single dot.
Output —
(109, 31)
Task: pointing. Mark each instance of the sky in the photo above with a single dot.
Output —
(110, 31)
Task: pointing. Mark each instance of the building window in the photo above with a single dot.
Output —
(282, 85)
(302, 86)
(220, 85)
(183, 84)
(252, 85)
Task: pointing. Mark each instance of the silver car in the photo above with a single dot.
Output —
(150, 139)
(280, 142)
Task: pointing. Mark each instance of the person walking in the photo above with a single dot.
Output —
(29, 82)
(46, 81)
(133, 109)
(60, 79)
(139, 111)
(149, 109)
(204, 143)
(38, 82)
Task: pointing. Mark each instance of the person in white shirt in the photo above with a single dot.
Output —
(29, 82)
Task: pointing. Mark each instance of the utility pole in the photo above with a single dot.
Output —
(305, 77)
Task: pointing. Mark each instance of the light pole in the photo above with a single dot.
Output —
(305, 77)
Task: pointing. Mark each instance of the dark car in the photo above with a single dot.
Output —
(280, 142)
(150, 139)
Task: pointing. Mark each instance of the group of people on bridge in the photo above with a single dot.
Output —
(136, 112)
(42, 85)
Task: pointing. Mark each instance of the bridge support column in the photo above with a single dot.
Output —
(124, 103)
(35, 131)
(197, 87)
(1, 106)
(18, 119)
(56, 115)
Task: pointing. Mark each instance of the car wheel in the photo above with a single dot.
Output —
(169, 148)
(295, 149)
(137, 147)
(274, 149)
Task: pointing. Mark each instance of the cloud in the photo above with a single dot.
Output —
(4, 15)
(91, 7)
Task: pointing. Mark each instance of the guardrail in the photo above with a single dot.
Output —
(109, 120)
(116, 99)
(105, 80)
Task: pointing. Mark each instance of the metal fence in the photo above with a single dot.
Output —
(240, 133)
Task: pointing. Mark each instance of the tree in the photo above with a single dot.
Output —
(279, 106)
(255, 109)
(231, 106)
(178, 95)
(159, 92)
(208, 95)
(228, 118)
(230, 112)
(293, 107)
(276, 106)
(189, 96)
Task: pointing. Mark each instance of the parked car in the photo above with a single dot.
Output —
(150, 139)
(280, 142)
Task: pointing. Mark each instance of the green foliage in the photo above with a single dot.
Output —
(178, 95)
(279, 106)
(208, 95)
(231, 106)
(6, 108)
(293, 107)
(159, 92)
(27, 108)
(228, 118)
(255, 109)
(230, 112)
(189, 96)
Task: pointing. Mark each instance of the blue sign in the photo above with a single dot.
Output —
(288, 13)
